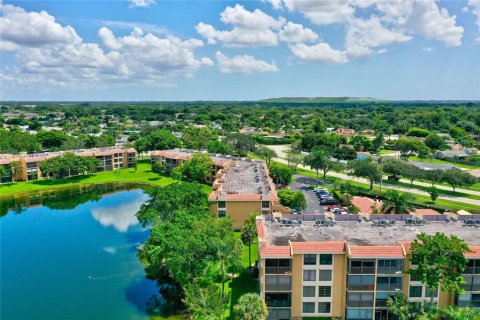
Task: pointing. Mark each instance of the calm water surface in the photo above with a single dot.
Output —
(75, 263)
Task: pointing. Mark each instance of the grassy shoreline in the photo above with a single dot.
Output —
(143, 175)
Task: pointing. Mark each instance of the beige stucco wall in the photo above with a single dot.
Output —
(339, 285)
(297, 289)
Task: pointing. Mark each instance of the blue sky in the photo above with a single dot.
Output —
(234, 50)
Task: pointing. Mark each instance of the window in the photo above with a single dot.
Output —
(390, 266)
(277, 299)
(278, 283)
(415, 292)
(389, 283)
(222, 213)
(324, 307)
(362, 300)
(325, 275)
(278, 314)
(428, 292)
(324, 291)
(326, 259)
(359, 314)
(308, 291)
(308, 307)
(382, 297)
(222, 204)
(361, 267)
(309, 275)
(309, 259)
(277, 266)
(265, 204)
(415, 277)
(360, 283)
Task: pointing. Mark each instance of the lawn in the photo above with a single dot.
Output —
(438, 161)
(143, 174)
(384, 151)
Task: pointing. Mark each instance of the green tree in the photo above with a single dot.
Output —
(51, 139)
(16, 168)
(407, 147)
(457, 313)
(205, 301)
(299, 202)
(249, 233)
(250, 306)
(198, 138)
(219, 147)
(456, 178)
(440, 261)
(280, 174)
(198, 168)
(378, 141)
(434, 176)
(366, 168)
(157, 140)
(265, 153)
(401, 307)
(319, 159)
(396, 202)
(159, 167)
(242, 144)
(435, 142)
(3, 172)
(433, 192)
(294, 160)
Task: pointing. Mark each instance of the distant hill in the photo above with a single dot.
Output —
(321, 100)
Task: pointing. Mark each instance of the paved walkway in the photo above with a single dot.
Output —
(280, 150)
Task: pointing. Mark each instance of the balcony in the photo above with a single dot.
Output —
(472, 270)
(360, 304)
(278, 287)
(361, 287)
(278, 270)
(361, 270)
(471, 287)
(390, 270)
(389, 287)
(473, 304)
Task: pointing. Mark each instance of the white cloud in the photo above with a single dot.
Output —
(245, 64)
(250, 28)
(423, 17)
(475, 4)
(465, 9)
(239, 17)
(362, 35)
(31, 29)
(276, 4)
(319, 53)
(293, 32)
(322, 12)
(128, 25)
(141, 3)
(53, 55)
(428, 49)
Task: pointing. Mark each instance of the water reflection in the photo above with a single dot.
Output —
(122, 216)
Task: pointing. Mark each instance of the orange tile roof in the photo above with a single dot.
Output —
(426, 212)
(364, 204)
(475, 254)
(376, 251)
(268, 251)
(313, 247)
(241, 197)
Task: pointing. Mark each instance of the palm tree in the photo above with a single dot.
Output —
(250, 307)
(396, 202)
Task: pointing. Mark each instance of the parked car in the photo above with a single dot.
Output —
(328, 200)
(393, 178)
(332, 207)
(339, 211)
(282, 187)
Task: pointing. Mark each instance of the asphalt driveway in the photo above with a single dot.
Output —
(301, 184)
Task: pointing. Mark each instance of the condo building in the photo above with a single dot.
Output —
(240, 185)
(28, 166)
(348, 269)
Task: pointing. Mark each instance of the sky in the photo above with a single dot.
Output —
(144, 50)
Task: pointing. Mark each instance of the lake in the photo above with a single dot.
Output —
(73, 256)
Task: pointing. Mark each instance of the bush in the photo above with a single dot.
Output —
(159, 167)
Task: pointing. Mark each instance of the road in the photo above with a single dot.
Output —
(280, 150)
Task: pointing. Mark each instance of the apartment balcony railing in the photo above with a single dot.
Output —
(388, 287)
(361, 287)
(471, 287)
(278, 303)
(473, 304)
(360, 304)
(278, 270)
(472, 270)
(278, 287)
(389, 270)
(361, 270)
(381, 303)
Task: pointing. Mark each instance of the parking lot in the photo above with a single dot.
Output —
(301, 184)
